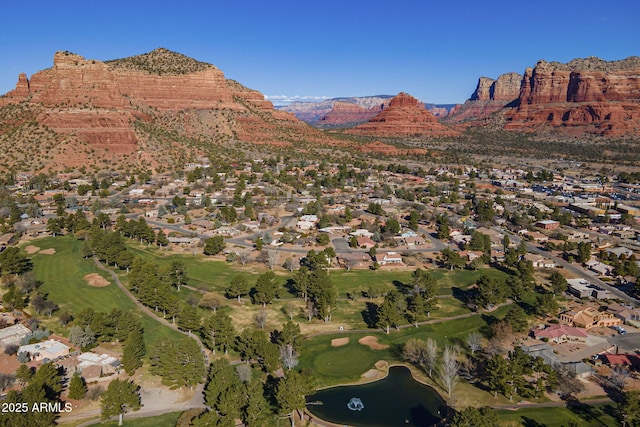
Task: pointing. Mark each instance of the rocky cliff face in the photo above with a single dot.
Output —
(99, 103)
(348, 114)
(583, 96)
(490, 96)
(405, 116)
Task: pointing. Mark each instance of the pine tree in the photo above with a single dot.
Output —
(120, 397)
(77, 387)
(256, 408)
(133, 351)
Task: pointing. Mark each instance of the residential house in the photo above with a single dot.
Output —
(599, 267)
(46, 350)
(365, 242)
(548, 224)
(561, 333)
(351, 260)
(590, 318)
(361, 232)
(629, 360)
(389, 258)
(583, 289)
(12, 335)
(538, 261)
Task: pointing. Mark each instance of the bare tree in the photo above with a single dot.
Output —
(243, 258)
(6, 380)
(290, 310)
(291, 264)
(272, 259)
(431, 355)
(618, 376)
(289, 356)
(449, 368)
(473, 341)
(350, 263)
(260, 318)
(312, 310)
(244, 372)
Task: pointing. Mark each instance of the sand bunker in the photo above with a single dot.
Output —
(337, 342)
(372, 343)
(96, 280)
(371, 373)
(381, 364)
(31, 249)
(49, 251)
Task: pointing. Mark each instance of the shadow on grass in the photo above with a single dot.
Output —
(370, 314)
(589, 413)
(530, 422)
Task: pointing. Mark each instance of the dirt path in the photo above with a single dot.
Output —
(411, 325)
(146, 309)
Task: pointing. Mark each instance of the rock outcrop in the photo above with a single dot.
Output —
(347, 114)
(490, 96)
(583, 96)
(405, 116)
(99, 103)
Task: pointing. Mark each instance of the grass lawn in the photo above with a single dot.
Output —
(584, 416)
(165, 420)
(203, 272)
(62, 275)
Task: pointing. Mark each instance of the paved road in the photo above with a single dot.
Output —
(578, 271)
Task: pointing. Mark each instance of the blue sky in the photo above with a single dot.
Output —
(434, 50)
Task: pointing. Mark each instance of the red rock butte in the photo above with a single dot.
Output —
(405, 116)
(98, 102)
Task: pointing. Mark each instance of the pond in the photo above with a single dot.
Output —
(397, 400)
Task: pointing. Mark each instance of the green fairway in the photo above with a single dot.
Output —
(62, 275)
(203, 272)
(584, 416)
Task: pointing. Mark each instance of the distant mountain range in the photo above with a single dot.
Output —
(349, 111)
(161, 110)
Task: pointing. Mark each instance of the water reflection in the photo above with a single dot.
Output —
(397, 400)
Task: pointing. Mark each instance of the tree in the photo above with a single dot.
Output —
(491, 291)
(387, 313)
(516, 318)
(213, 245)
(219, 332)
(546, 305)
(629, 408)
(448, 369)
(121, 397)
(265, 289)
(558, 283)
(442, 222)
(188, 319)
(451, 258)
(290, 392)
(474, 417)
(584, 252)
(422, 353)
(238, 287)
(473, 341)
(133, 351)
(77, 387)
(179, 362)
(82, 337)
(256, 408)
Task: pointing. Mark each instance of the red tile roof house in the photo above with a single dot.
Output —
(623, 359)
(561, 333)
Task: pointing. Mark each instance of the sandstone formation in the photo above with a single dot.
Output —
(405, 116)
(490, 96)
(346, 114)
(583, 96)
(106, 104)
